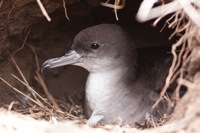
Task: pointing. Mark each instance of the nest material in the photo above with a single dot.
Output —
(185, 68)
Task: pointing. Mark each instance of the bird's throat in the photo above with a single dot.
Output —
(101, 87)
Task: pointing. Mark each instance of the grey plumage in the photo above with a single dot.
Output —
(121, 83)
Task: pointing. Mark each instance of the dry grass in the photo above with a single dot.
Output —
(36, 105)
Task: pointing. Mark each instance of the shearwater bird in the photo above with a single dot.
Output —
(123, 83)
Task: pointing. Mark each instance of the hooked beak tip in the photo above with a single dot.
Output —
(45, 65)
(71, 57)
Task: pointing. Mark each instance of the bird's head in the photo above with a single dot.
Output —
(98, 48)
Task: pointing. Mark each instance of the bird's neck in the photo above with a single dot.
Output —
(108, 82)
(110, 86)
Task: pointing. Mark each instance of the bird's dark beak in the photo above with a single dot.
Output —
(71, 57)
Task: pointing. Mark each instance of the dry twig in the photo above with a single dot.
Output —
(49, 96)
(13, 6)
(147, 11)
(26, 82)
(43, 10)
(113, 6)
(44, 111)
(65, 8)
(31, 90)
(23, 44)
(21, 92)
(41, 81)
(116, 6)
(1, 3)
(179, 60)
(12, 104)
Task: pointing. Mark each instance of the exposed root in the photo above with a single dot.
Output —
(116, 6)
(65, 8)
(177, 70)
(13, 6)
(1, 3)
(43, 10)
(23, 44)
(147, 11)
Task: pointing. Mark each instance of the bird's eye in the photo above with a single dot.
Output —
(95, 46)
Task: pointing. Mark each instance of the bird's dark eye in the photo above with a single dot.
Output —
(95, 46)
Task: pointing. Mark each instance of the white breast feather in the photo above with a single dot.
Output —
(98, 88)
